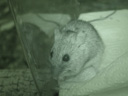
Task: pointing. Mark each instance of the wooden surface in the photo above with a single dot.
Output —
(17, 83)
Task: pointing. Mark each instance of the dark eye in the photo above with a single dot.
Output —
(51, 54)
(70, 31)
(66, 58)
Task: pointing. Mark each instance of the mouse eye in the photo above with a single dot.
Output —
(66, 58)
(70, 31)
(51, 54)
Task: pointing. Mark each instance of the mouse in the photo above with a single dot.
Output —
(77, 52)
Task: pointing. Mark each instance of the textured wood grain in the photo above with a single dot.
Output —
(17, 83)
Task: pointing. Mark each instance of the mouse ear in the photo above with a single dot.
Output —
(57, 34)
(81, 37)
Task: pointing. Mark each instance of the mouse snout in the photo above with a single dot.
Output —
(55, 72)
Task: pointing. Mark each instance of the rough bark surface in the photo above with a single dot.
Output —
(17, 83)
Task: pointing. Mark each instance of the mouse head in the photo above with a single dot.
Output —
(75, 45)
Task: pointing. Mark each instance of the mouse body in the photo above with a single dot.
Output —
(76, 53)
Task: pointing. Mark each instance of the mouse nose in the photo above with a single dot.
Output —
(55, 73)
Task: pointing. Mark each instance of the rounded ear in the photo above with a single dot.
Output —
(57, 34)
(81, 37)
